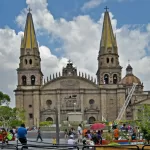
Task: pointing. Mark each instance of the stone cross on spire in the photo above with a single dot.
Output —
(29, 9)
(106, 8)
(128, 61)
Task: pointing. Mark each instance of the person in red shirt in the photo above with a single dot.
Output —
(4, 136)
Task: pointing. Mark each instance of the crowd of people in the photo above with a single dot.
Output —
(131, 132)
(85, 136)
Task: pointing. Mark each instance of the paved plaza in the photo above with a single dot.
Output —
(37, 145)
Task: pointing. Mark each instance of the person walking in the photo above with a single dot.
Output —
(39, 135)
(21, 135)
(79, 132)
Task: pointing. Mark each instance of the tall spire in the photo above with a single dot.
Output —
(109, 69)
(29, 41)
(108, 40)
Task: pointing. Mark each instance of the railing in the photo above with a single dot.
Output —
(42, 146)
(74, 147)
(145, 147)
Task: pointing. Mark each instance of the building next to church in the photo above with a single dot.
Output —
(70, 89)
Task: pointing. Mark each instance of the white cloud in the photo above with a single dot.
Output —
(92, 4)
(95, 3)
(81, 38)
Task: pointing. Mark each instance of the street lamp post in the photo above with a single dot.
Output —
(57, 127)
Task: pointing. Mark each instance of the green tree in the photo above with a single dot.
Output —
(6, 115)
(10, 117)
(4, 98)
(144, 121)
(19, 113)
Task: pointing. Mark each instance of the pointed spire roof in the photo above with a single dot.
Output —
(29, 41)
(108, 40)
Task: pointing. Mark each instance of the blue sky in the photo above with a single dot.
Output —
(127, 12)
(71, 32)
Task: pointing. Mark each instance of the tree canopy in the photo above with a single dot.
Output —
(10, 117)
(4, 98)
(144, 120)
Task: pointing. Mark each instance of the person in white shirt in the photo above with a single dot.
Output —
(79, 132)
(71, 142)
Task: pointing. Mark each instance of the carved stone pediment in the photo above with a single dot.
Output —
(48, 111)
(90, 110)
(69, 84)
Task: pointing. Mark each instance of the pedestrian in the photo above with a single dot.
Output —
(99, 136)
(71, 142)
(79, 132)
(39, 135)
(116, 133)
(4, 136)
(54, 141)
(21, 135)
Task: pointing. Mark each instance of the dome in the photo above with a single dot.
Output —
(129, 79)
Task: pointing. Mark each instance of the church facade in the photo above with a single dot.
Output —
(71, 90)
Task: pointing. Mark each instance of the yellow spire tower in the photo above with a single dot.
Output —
(29, 41)
(108, 40)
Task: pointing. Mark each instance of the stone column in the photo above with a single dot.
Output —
(36, 107)
(82, 103)
(120, 101)
(19, 99)
(103, 104)
(58, 104)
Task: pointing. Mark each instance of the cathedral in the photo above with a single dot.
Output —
(70, 90)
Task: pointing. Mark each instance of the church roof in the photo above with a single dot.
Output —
(108, 40)
(29, 40)
(130, 78)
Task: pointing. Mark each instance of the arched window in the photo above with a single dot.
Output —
(112, 60)
(106, 79)
(25, 61)
(49, 119)
(49, 102)
(92, 120)
(32, 80)
(107, 60)
(30, 61)
(24, 80)
(91, 101)
(115, 79)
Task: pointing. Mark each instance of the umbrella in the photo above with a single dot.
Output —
(98, 126)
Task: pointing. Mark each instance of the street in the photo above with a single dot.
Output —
(36, 145)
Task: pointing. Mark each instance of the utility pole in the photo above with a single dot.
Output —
(57, 127)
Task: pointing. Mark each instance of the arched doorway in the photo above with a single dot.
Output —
(49, 119)
(106, 79)
(92, 120)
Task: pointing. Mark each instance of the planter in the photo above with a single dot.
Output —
(132, 147)
(124, 142)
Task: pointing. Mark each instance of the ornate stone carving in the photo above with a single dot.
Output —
(70, 102)
(69, 84)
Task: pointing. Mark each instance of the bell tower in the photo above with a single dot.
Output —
(109, 69)
(30, 75)
(29, 71)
